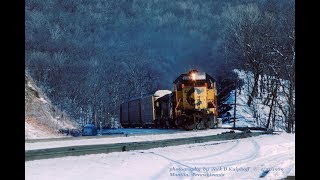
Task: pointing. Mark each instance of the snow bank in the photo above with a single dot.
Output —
(37, 131)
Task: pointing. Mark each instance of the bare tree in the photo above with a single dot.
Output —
(245, 35)
(284, 52)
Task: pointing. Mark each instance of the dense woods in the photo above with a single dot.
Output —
(90, 56)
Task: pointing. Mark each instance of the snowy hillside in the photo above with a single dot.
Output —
(257, 114)
(42, 119)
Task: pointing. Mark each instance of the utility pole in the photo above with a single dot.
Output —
(100, 129)
(235, 106)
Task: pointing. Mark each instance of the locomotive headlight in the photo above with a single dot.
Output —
(193, 76)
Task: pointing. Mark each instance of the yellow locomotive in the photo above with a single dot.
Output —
(195, 101)
(192, 105)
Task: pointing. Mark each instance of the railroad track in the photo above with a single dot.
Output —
(119, 147)
(96, 137)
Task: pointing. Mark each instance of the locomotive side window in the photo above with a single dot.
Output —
(179, 86)
(210, 84)
(211, 105)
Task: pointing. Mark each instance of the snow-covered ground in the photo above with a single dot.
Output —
(257, 114)
(37, 132)
(272, 156)
(244, 114)
(133, 138)
(246, 158)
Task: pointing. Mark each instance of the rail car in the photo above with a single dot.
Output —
(192, 105)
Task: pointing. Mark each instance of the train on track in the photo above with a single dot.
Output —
(192, 105)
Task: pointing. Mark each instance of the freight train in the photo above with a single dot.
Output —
(192, 105)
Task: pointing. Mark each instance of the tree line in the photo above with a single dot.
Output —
(90, 56)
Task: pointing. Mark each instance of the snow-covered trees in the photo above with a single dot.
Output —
(89, 56)
(261, 40)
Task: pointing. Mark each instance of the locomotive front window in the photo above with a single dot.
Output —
(200, 83)
(192, 83)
